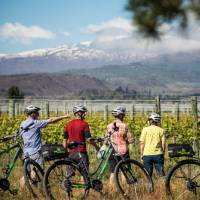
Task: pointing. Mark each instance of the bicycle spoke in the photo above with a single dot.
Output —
(67, 184)
(185, 181)
(33, 175)
(132, 180)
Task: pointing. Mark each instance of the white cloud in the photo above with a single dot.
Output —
(24, 34)
(117, 24)
(111, 30)
(119, 35)
(65, 33)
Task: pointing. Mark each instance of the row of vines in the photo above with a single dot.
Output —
(180, 131)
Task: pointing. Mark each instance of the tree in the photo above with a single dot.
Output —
(149, 15)
(15, 93)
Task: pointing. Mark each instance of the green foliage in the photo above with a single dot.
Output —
(15, 93)
(150, 15)
(181, 131)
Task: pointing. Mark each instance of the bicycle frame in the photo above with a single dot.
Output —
(109, 151)
(11, 164)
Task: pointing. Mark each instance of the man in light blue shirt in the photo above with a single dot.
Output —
(30, 130)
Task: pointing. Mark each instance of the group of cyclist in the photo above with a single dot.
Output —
(152, 139)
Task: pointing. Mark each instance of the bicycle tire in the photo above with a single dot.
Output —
(183, 180)
(33, 177)
(66, 181)
(136, 181)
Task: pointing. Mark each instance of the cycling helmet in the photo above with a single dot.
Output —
(155, 117)
(117, 111)
(79, 108)
(31, 109)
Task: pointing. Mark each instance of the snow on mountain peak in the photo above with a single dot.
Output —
(65, 57)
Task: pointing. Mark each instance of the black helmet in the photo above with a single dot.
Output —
(31, 109)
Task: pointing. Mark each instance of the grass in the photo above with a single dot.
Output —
(23, 194)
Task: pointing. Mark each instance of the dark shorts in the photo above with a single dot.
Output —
(154, 160)
(75, 156)
(115, 159)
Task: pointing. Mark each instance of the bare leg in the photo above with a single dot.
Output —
(22, 182)
(112, 183)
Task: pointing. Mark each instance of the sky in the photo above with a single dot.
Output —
(105, 24)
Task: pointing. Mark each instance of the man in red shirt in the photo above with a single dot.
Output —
(78, 130)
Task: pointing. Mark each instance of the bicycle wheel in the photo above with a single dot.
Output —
(33, 176)
(183, 180)
(133, 180)
(65, 180)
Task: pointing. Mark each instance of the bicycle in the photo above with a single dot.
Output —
(69, 179)
(183, 179)
(7, 168)
(9, 156)
(34, 173)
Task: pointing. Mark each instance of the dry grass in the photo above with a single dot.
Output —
(108, 194)
(23, 194)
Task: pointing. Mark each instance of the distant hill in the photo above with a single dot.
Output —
(51, 84)
(179, 73)
(176, 73)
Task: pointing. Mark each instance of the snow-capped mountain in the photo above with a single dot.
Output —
(64, 58)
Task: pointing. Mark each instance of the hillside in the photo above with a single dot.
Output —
(174, 74)
(50, 84)
(177, 73)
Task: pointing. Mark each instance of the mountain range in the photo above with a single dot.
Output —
(61, 67)
(63, 58)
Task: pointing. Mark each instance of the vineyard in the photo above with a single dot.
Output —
(176, 131)
(180, 131)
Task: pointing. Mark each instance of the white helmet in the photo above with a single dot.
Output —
(31, 109)
(155, 117)
(79, 108)
(117, 111)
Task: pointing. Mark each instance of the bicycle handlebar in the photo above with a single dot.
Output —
(8, 137)
(96, 139)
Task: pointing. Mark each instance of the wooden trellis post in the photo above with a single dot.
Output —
(194, 115)
(195, 124)
(47, 109)
(16, 108)
(11, 108)
(132, 112)
(177, 112)
(106, 113)
(157, 105)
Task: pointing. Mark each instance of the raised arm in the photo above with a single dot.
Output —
(56, 119)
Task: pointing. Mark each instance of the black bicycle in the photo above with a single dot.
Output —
(183, 179)
(34, 173)
(9, 154)
(69, 179)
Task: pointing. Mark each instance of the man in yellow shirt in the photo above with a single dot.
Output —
(152, 145)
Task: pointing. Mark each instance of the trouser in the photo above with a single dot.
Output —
(154, 160)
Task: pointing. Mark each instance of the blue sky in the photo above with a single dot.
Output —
(34, 24)
(64, 18)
